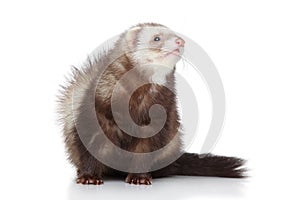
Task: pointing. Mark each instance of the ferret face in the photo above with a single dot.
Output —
(155, 46)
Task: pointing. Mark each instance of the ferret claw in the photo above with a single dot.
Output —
(89, 180)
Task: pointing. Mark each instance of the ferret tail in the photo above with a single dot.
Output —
(191, 164)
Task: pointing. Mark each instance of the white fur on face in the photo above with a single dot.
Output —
(157, 56)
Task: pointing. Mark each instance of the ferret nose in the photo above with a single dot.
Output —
(180, 42)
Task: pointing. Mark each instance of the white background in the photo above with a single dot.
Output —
(254, 44)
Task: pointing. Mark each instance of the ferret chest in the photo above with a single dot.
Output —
(141, 101)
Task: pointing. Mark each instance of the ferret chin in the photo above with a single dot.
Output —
(151, 50)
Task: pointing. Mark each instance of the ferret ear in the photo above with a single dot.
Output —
(131, 36)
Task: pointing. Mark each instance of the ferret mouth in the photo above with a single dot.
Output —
(175, 52)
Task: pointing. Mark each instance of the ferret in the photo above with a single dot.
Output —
(150, 51)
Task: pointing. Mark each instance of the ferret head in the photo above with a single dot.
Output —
(154, 46)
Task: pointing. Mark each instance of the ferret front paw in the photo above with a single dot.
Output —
(89, 180)
(139, 179)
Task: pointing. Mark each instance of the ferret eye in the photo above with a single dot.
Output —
(156, 39)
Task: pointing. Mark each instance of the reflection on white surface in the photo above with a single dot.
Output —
(175, 188)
